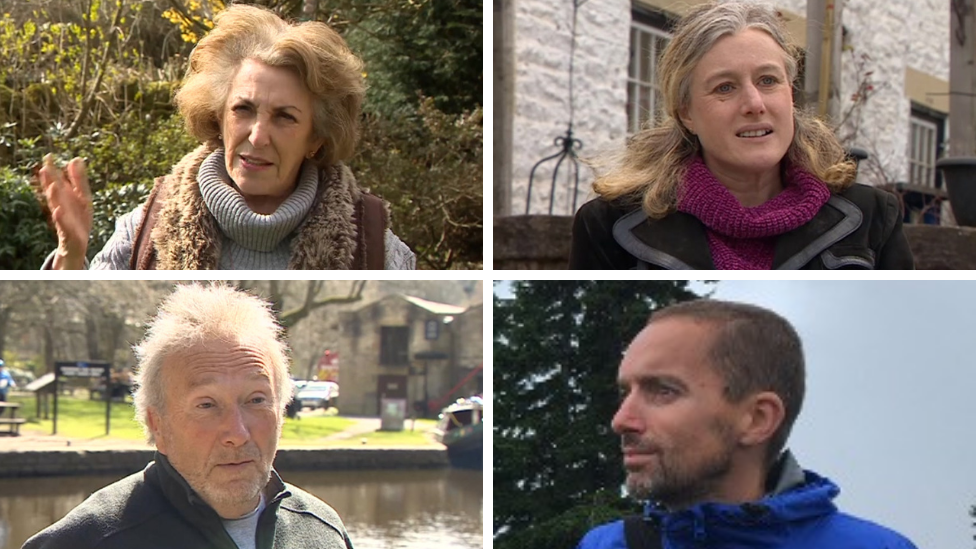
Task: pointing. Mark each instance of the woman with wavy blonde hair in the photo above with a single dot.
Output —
(276, 109)
(735, 177)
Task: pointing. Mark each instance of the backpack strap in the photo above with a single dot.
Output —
(640, 534)
(143, 252)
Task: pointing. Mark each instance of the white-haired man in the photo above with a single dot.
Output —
(212, 388)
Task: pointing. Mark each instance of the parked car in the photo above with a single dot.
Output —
(318, 394)
(21, 377)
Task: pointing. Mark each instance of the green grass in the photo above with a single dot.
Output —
(311, 428)
(80, 418)
(404, 438)
(85, 419)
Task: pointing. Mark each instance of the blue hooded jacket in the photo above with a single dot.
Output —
(800, 516)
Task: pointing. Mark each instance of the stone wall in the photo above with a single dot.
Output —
(73, 462)
(933, 247)
(532, 242)
(467, 351)
(467, 329)
(294, 459)
(124, 462)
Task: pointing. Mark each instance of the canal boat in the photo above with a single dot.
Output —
(459, 428)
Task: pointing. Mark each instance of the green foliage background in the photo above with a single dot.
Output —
(557, 463)
(95, 78)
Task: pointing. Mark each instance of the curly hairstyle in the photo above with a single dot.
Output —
(317, 55)
(650, 168)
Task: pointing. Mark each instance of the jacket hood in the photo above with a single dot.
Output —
(768, 522)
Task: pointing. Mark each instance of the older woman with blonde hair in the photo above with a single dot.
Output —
(276, 108)
(735, 177)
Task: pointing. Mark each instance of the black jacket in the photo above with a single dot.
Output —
(157, 509)
(859, 228)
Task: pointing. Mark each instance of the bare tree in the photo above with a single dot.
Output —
(91, 94)
(308, 293)
(13, 295)
(295, 302)
(77, 319)
(313, 301)
(54, 312)
(110, 308)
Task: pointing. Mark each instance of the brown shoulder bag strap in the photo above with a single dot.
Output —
(374, 226)
(143, 252)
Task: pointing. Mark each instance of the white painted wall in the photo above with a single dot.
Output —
(542, 56)
(896, 35)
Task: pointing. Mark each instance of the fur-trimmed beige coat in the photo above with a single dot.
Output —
(186, 235)
(345, 229)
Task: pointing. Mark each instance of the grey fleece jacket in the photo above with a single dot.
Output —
(157, 509)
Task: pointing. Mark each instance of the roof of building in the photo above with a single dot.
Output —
(434, 307)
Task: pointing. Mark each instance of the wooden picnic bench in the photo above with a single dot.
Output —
(13, 421)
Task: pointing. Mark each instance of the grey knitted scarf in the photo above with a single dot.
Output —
(244, 227)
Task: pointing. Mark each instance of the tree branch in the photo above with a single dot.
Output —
(290, 318)
(188, 18)
(86, 105)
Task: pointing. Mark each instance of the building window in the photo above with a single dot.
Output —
(923, 196)
(394, 346)
(647, 41)
(922, 152)
(922, 208)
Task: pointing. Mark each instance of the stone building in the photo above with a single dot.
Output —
(895, 51)
(410, 348)
(467, 330)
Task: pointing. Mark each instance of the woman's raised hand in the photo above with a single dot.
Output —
(70, 201)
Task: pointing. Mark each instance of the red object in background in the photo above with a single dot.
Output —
(435, 405)
(328, 367)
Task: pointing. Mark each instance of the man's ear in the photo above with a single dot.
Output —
(153, 421)
(763, 414)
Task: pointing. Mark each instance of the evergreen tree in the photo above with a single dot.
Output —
(411, 47)
(557, 346)
(972, 514)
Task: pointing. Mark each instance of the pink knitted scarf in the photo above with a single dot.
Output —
(745, 238)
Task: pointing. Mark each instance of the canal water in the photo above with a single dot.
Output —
(381, 509)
